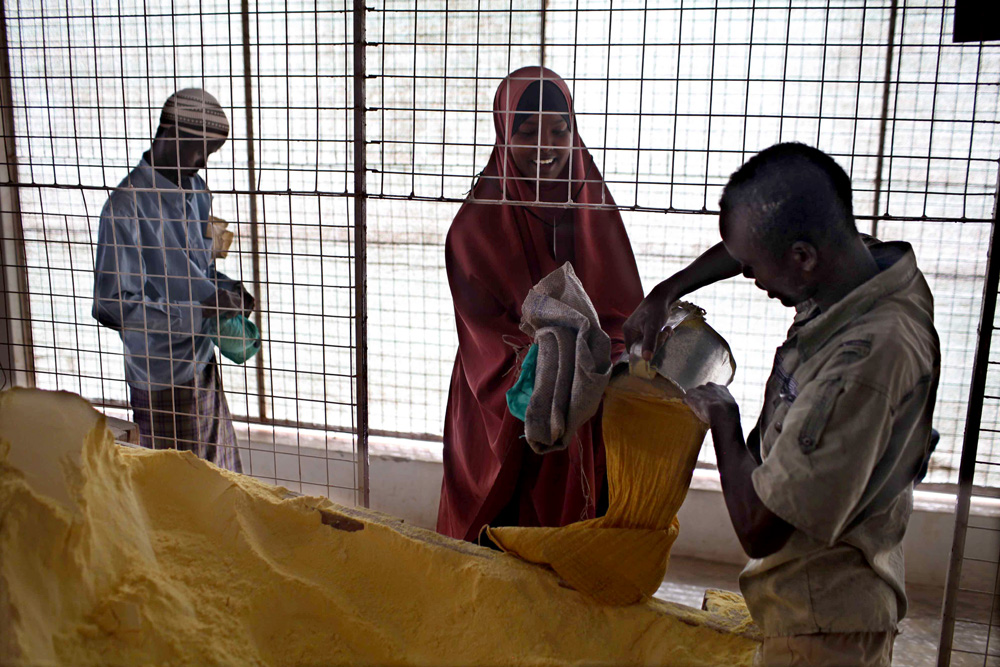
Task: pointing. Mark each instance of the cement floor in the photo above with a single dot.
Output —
(916, 645)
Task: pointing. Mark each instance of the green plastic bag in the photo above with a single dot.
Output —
(236, 337)
(519, 395)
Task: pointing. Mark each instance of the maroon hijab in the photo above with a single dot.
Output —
(499, 245)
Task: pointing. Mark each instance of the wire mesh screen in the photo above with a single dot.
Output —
(88, 82)
(977, 635)
(434, 67)
(970, 628)
(670, 101)
(975, 639)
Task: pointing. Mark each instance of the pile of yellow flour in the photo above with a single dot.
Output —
(115, 556)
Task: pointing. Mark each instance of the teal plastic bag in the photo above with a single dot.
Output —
(236, 337)
(519, 395)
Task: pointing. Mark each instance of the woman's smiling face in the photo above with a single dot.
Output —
(541, 145)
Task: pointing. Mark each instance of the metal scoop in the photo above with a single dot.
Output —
(693, 354)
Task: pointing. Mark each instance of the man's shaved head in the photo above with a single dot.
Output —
(790, 192)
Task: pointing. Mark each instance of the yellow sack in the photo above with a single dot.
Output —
(651, 440)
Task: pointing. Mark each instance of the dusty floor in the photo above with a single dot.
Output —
(916, 646)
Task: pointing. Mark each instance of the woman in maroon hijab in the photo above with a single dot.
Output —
(515, 228)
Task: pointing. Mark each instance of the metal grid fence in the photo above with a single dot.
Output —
(670, 100)
(87, 82)
(970, 625)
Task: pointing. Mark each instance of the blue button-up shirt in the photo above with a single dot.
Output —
(153, 269)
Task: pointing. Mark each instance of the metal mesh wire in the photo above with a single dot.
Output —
(976, 638)
(669, 100)
(970, 628)
(88, 82)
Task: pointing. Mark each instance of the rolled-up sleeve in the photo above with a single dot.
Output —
(820, 464)
(123, 298)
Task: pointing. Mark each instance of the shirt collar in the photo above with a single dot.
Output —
(897, 267)
(154, 179)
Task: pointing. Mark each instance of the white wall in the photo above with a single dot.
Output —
(406, 482)
(410, 489)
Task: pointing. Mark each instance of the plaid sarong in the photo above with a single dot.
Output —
(194, 417)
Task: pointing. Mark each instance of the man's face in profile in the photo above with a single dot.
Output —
(780, 277)
(185, 152)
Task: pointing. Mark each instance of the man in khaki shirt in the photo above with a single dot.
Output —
(822, 490)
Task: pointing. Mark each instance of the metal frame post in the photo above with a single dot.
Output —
(883, 121)
(252, 176)
(16, 353)
(970, 443)
(360, 250)
(541, 42)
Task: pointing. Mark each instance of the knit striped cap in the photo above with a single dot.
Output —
(195, 112)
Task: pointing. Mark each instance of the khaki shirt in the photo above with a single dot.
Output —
(844, 431)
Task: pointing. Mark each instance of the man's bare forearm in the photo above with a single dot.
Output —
(710, 267)
(760, 531)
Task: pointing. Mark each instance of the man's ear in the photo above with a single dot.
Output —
(804, 256)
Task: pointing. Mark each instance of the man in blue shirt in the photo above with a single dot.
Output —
(155, 282)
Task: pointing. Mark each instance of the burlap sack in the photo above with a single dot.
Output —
(574, 359)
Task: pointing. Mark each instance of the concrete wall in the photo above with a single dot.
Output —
(410, 489)
(406, 482)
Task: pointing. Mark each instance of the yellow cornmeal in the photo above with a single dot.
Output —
(114, 556)
(730, 606)
(652, 441)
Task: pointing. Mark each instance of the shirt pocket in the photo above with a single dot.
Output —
(819, 414)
